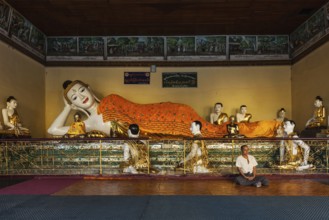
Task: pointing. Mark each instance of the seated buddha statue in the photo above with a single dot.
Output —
(319, 115)
(218, 117)
(11, 118)
(233, 129)
(242, 115)
(77, 128)
(157, 120)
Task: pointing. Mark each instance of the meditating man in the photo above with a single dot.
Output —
(246, 165)
(218, 117)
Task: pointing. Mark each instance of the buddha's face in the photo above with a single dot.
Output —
(282, 114)
(80, 96)
(317, 103)
(12, 104)
(288, 127)
(218, 108)
(195, 129)
(77, 117)
(243, 110)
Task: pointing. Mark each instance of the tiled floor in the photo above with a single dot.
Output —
(278, 187)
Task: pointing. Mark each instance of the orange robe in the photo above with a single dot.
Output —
(169, 119)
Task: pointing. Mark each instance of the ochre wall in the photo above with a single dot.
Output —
(309, 79)
(264, 89)
(23, 78)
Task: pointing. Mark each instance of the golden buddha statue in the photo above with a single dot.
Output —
(12, 120)
(319, 115)
(233, 129)
(293, 150)
(77, 128)
(196, 160)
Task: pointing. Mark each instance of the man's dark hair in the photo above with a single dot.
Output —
(243, 146)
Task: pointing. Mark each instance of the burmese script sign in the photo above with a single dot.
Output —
(179, 80)
(137, 78)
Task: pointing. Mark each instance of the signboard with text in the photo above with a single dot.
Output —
(137, 78)
(179, 80)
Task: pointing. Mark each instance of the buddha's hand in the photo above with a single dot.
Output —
(69, 106)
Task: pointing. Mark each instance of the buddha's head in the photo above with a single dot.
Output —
(218, 107)
(77, 117)
(243, 109)
(11, 102)
(289, 126)
(133, 131)
(79, 94)
(318, 101)
(282, 113)
(232, 119)
(196, 127)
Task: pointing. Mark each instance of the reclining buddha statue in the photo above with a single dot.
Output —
(159, 120)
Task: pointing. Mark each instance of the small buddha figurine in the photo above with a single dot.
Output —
(233, 129)
(318, 119)
(218, 117)
(243, 116)
(11, 118)
(77, 128)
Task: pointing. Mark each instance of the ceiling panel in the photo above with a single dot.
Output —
(165, 17)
